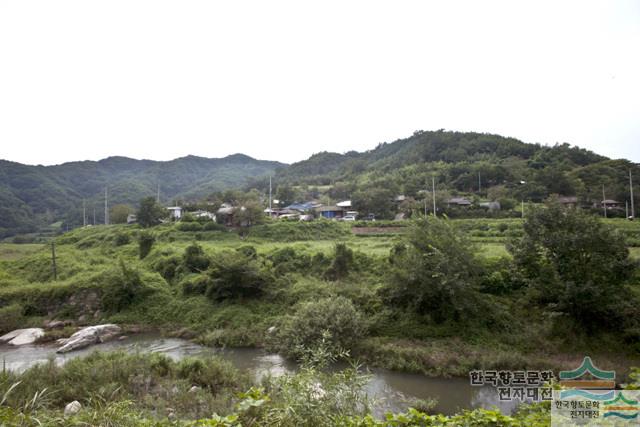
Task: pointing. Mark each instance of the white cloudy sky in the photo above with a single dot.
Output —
(284, 79)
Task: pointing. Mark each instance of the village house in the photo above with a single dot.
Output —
(569, 201)
(610, 204)
(175, 212)
(225, 214)
(459, 201)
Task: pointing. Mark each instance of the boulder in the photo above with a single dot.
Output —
(89, 336)
(195, 389)
(72, 408)
(271, 329)
(54, 324)
(23, 336)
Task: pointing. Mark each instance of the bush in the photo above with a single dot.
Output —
(248, 251)
(289, 260)
(213, 226)
(189, 226)
(341, 264)
(333, 322)
(121, 239)
(234, 275)
(145, 243)
(213, 374)
(168, 266)
(194, 260)
(434, 272)
(196, 284)
(124, 287)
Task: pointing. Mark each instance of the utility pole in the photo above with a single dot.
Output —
(633, 211)
(53, 261)
(158, 195)
(479, 184)
(626, 209)
(433, 186)
(425, 204)
(84, 214)
(522, 209)
(94, 214)
(604, 204)
(106, 207)
(270, 212)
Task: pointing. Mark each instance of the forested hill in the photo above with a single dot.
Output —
(482, 166)
(36, 196)
(476, 164)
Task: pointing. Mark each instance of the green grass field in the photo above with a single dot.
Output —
(12, 251)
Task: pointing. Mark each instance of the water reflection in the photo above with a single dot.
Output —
(388, 390)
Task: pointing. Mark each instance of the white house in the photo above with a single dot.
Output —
(175, 212)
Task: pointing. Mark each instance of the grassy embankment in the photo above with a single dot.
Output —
(99, 262)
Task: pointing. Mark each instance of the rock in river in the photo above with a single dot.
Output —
(89, 336)
(22, 336)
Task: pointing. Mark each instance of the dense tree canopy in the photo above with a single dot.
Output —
(575, 262)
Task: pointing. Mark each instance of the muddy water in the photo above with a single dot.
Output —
(390, 391)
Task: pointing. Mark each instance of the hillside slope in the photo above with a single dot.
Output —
(33, 196)
(467, 163)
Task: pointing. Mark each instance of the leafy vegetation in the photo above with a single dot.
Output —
(431, 295)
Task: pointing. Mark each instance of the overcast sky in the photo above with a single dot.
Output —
(281, 80)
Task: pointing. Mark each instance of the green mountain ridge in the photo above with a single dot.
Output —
(35, 196)
(468, 163)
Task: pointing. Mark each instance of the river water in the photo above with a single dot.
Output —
(389, 390)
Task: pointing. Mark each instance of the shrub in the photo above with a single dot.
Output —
(234, 275)
(189, 226)
(196, 284)
(213, 374)
(341, 264)
(194, 259)
(288, 260)
(145, 243)
(213, 226)
(248, 251)
(124, 287)
(434, 272)
(168, 266)
(333, 322)
(121, 239)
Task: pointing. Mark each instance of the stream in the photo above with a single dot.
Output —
(390, 390)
